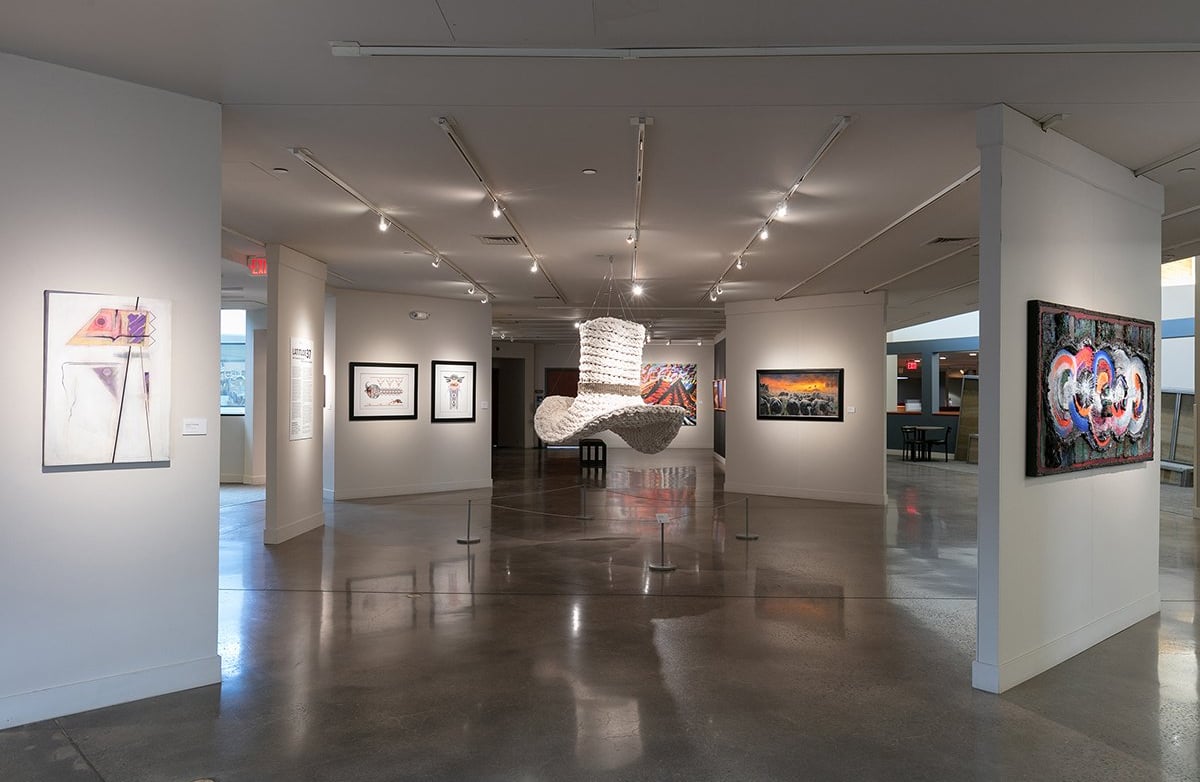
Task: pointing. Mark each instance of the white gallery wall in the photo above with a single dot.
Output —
(842, 461)
(1067, 560)
(550, 356)
(109, 576)
(295, 310)
(384, 458)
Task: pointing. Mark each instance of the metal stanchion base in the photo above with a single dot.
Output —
(664, 568)
(744, 536)
(468, 541)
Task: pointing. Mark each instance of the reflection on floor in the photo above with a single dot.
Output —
(240, 494)
(836, 646)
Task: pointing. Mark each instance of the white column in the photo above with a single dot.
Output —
(295, 311)
(1065, 561)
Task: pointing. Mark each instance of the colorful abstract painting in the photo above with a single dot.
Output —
(671, 384)
(1091, 390)
(107, 385)
(800, 394)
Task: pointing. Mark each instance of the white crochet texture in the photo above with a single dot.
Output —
(610, 352)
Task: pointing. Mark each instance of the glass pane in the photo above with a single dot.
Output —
(908, 381)
(1167, 422)
(1185, 447)
(233, 378)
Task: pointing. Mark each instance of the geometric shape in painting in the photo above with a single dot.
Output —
(1090, 396)
(673, 385)
(800, 394)
(107, 382)
(383, 392)
(453, 391)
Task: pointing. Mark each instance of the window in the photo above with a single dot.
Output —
(233, 362)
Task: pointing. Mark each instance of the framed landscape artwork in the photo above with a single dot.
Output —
(107, 383)
(671, 384)
(453, 391)
(800, 394)
(383, 392)
(1090, 399)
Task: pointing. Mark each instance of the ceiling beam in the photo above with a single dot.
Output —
(923, 267)
(1166, 161)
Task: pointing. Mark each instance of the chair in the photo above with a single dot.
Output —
(943, 440)
(593, 453)
(911, 443)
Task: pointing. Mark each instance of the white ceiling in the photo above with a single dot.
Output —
(729, 135)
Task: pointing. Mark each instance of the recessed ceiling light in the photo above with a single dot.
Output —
(279, 170)
(589, 171)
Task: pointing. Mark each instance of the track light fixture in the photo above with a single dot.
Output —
(764, 234)
(668, 341)
(638, 289)
(471, 290)
(383, 224)
(712, 295)
(720, 289)
(578, 324)
(483, 300)
(436, 262)
(629, 239)
(741, 264)
(496, 209)
(699, 342)
(781, 210)
(533, 267)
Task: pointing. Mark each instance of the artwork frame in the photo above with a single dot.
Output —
(106, 393)
(671, 383)
(452, 401)
(377, 391)
(1077, 359)
(719, 395)
(771, 383)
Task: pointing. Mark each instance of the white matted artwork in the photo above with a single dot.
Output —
(383, 392)
(453, 391)
(107, 385)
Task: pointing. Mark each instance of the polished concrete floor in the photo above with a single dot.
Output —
(836, 646)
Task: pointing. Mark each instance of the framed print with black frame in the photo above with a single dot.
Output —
(382, 392)
(453, 388)
(800, 394)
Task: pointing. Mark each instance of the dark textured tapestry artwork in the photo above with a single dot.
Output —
(1091, 395)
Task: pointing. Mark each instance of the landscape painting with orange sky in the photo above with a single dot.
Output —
(800, 383)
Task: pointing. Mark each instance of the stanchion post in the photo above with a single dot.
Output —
(468, 540)
(746, 535)
(662, 566)
(583, 514)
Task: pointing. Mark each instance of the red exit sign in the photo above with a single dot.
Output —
(910, 365)
(257, 266)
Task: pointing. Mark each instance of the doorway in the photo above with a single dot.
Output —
(508, 400)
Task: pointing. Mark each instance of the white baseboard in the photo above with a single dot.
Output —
(52, 702)
(361, 493)
(804, 492)
(274, 535)
(998, 678)
(254, 480)
(231, 478)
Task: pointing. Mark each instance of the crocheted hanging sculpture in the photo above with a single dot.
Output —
(610, 393)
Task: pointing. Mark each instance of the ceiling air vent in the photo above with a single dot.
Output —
(949, 240)
(507, 241)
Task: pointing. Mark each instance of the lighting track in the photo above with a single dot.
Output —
(639, 171)
(967, 177)
(312, 162)
(923, 266)
(738, 262)
(451, 132)
(356, 49)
